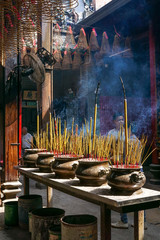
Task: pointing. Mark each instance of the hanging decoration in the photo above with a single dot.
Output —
(67, 59)
(69, 40)
(127, 49)
(76, 60)
(116, 44)
(105, 47)
(93, 43)
(21, 18)
(82, 44)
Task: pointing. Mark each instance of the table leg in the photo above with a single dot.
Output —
(139, 225)
(105, 223)
(26, 185)
(49, 196)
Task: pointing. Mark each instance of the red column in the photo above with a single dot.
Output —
(20, 126)
(153, 90)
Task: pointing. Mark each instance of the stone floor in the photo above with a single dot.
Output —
(72, 205)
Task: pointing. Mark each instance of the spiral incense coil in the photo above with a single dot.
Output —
(69, 42)
(21, 17)
(105, 47)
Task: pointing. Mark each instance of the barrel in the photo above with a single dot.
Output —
(55, 233)
(27, 203)
(43, 219)
(78, 227)
(11, 213)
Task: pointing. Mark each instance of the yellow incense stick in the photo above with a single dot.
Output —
(94, 126)
(90, 138)
(60, 144)
(47, 136)
(50, 118)
(37, 130)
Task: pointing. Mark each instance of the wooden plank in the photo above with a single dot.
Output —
(139, 225)
(26, 185)
(147, 199)
(11, 136)
(105, 223)
(49, 196)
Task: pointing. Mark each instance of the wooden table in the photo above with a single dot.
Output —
(103, 196)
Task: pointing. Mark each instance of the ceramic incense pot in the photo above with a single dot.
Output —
(44, 161)
(30, 156)
(92, 172)
(65, 166)
(127, 179)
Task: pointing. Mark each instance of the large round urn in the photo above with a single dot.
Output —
(92, 172)
(44, 161)
(30, 156)
(65, 166)
(127, 179)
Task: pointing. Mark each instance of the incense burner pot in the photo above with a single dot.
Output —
(65, 166)
(30, 156)
(127, 179)
(92, 172)
(44, 161)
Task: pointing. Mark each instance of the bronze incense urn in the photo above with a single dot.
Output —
(30, 156)
(128, 179)
(92, 172)
(65, 166)
(44, 161)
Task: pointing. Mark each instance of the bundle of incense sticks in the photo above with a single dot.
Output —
(80, 142)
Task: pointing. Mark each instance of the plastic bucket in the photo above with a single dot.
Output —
(78, 227)
(55, 233)
(43, 219)
(11, 213)
(27, 203)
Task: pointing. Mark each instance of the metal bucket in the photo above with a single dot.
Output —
(27, 203)
(55, 233)
(77, 227)
(43, 219)
(11, 213)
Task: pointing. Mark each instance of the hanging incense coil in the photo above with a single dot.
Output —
(93, 43)
(127, 49)
(105, 47)
(58, 57)
(69, 42)
(67, 60)
(57, 38)
(23, 17)
(116, 44)
(82, 44)
(76, 60)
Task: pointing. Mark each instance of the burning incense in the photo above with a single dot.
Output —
(95, 116)
(37, 126)
(60, 143)
(90, 137)
(47, 136)
(114, 150)
(50, 128)
(72, 126)
(125, 120)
